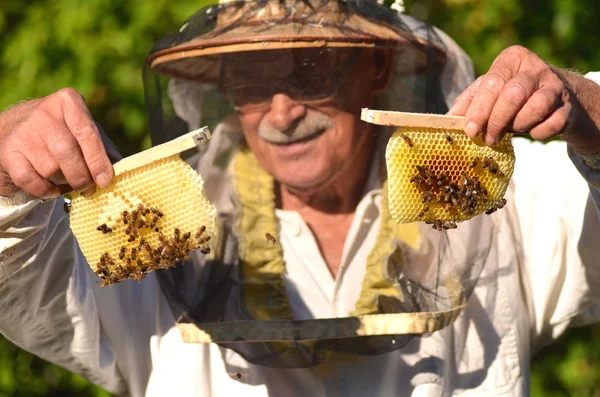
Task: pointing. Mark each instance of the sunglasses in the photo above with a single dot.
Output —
(311, 76)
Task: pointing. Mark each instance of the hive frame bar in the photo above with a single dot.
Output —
(405, 119)
(191, 139)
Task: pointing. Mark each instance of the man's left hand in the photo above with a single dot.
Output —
(522, 93)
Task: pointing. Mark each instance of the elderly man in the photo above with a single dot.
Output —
(341, 301)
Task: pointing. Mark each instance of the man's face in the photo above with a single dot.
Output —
(300, 111)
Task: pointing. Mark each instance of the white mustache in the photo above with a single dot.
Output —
(303, 128)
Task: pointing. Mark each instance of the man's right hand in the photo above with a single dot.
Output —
(53, 141)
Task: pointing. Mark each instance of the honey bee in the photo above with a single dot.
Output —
(106, 282)
(186, 236)
(200, 231)
(413, 178)
(449, 139)
(131, 238)
(67, 207)
(136, 275)
(501, 203)
(121, 255)
(120, 272)
(426, 197)
(408, 140)
(270, 238)
(449, 225)
(205, 251)
(491, 211)
(438, 225)
(474, 162)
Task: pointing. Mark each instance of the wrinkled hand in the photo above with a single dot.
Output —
(521, 93)
(53, 141)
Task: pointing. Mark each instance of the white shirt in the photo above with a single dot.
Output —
(547, 277)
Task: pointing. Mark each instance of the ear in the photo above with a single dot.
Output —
(383, 60)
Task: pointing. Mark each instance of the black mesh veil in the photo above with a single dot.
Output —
(192, 79)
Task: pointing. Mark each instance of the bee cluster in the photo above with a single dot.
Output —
(454, 196)
(138, 257)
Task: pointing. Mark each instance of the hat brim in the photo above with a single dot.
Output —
(199, 58)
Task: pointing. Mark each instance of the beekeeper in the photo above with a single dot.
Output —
(311, 288)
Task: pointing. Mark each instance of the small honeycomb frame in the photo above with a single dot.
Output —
(151, 217)
(436, 145)
(431, 147)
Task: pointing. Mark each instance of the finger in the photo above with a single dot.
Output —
(485, 98)
(537, 108)
(66, 152)
(511, 99)
(46, 166)
(79, 121)
(44, 162)
(557, 123)
(26, 178)
(463, 101)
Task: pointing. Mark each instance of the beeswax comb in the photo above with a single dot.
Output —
(151, 217)
(436, 173)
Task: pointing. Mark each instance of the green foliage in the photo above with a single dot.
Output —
(95, 46)
(25, 375)
(99, 46)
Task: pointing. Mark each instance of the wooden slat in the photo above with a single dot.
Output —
(405, 119)
(167, 149)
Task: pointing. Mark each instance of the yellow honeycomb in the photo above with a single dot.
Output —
(443, 151)
(168, 187)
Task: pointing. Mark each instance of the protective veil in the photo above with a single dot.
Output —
(416, 280)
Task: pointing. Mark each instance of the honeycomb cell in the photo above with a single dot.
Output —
(405, 198)
(170, 186)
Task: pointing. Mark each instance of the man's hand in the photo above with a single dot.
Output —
(53, 141)
(522, 93)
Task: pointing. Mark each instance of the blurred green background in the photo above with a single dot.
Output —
(98, 47)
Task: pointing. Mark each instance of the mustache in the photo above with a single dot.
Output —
(300, 129)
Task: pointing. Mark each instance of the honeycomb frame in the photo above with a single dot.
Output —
(438, 143)
(449, 151)
(151, 216)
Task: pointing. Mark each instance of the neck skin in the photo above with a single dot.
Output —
(329, 210)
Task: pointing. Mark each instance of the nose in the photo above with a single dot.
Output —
(284, 112)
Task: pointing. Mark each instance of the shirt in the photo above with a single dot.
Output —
(124, 338)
